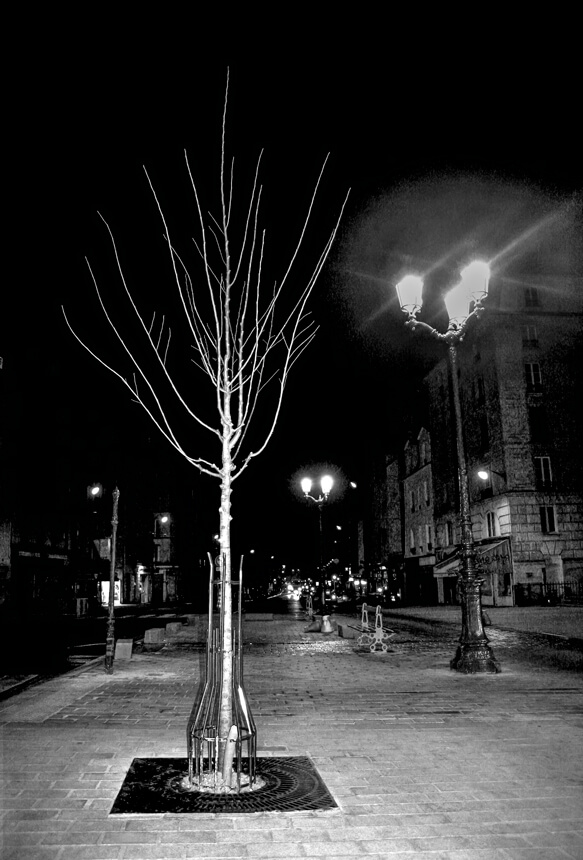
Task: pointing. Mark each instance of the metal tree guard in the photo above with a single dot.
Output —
(203, 735)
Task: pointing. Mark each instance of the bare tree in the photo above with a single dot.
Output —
(241, 341)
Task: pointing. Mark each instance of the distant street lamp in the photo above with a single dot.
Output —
(326, 483)
(473, 655)
(486, 474)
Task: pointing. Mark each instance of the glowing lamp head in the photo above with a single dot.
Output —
(457, 303)
(476, 278)
(483, 474)
(164, 519)
(306, 485)
(326, 482)
(409, 291)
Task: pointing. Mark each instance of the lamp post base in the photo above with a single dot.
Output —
(474, 659)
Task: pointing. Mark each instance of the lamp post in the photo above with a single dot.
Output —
(474, 654)
(110, 635)
(326, 483)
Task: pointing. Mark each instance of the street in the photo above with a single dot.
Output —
(418, 629)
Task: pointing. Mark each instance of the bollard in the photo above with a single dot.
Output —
(326, 626)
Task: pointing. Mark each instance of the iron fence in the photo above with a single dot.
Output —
(553, 593)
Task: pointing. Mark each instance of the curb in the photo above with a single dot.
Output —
(20, 686)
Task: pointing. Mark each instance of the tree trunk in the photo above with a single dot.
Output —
(226, 713)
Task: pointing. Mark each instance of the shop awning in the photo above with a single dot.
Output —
(451, 564)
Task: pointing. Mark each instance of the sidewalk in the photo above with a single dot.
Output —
(564, 621)
(424, 764)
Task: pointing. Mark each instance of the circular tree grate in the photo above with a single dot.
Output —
(157, 785)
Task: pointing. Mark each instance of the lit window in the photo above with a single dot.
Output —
(547, 519)
(412, 540)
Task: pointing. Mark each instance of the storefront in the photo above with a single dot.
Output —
(495, 565)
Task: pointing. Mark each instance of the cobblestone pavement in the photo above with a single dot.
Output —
(422, 762)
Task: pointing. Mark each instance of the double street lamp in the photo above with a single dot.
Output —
(463, 303)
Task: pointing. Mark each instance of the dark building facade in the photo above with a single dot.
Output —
(521, 389)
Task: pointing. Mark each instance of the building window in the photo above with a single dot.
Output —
(422, 456)
(484, 435)
(429, 538)
(548, 522)
(533, 376)
(492, 524)
(531, 297)
(426, 493)
(529, 335)
(420, 538)
(413, 502)
(481, 390)
(449, 540)
(539, 428)
(412, 541)
(542, 472)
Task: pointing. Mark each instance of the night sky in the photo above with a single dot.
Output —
(444, 153)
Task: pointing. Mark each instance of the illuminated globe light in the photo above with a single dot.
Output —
(409, 291)
(306, 485)
(164, 519)
(476, 278)
(483, 474)
(95, 490)
(326, 483)
(457, 303)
